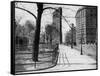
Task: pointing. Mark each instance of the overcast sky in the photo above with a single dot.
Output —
(67, 10)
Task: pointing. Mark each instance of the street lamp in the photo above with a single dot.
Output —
(81, 41)
(72, 27)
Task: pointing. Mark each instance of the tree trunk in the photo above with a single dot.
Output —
(60, 25)
(37, 32)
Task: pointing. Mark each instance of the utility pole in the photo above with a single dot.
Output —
(72, 27)
(37, 32)
(60, 25)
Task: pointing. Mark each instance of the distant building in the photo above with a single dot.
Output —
(68, 37)
(56, 19)
(56, 26)
(86, 25)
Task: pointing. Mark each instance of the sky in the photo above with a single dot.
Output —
(68, 11)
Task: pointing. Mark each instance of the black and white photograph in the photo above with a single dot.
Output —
(52, 37)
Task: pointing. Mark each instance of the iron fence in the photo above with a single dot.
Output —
(48, 56)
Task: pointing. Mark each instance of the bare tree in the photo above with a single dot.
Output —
(37, 33)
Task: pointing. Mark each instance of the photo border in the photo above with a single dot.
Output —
(13, 39)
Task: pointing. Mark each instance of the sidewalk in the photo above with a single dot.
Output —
(70, 59)
(74, 55)
(88, 49)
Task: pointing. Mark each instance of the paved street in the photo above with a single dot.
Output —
(70, 59)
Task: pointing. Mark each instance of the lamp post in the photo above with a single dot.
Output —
(72, 27)
(81, 42)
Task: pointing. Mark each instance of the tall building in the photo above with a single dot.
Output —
(57, 33)
(86, 25)
(57, 21)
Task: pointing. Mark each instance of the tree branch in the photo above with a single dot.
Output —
(27, 11)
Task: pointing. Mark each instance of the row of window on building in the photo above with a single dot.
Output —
(86, 24)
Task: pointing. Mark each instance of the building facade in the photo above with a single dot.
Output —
(86, 25)
(56, 19)
(57, 22)
(56, 26)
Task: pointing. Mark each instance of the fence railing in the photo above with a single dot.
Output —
(48, 57)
